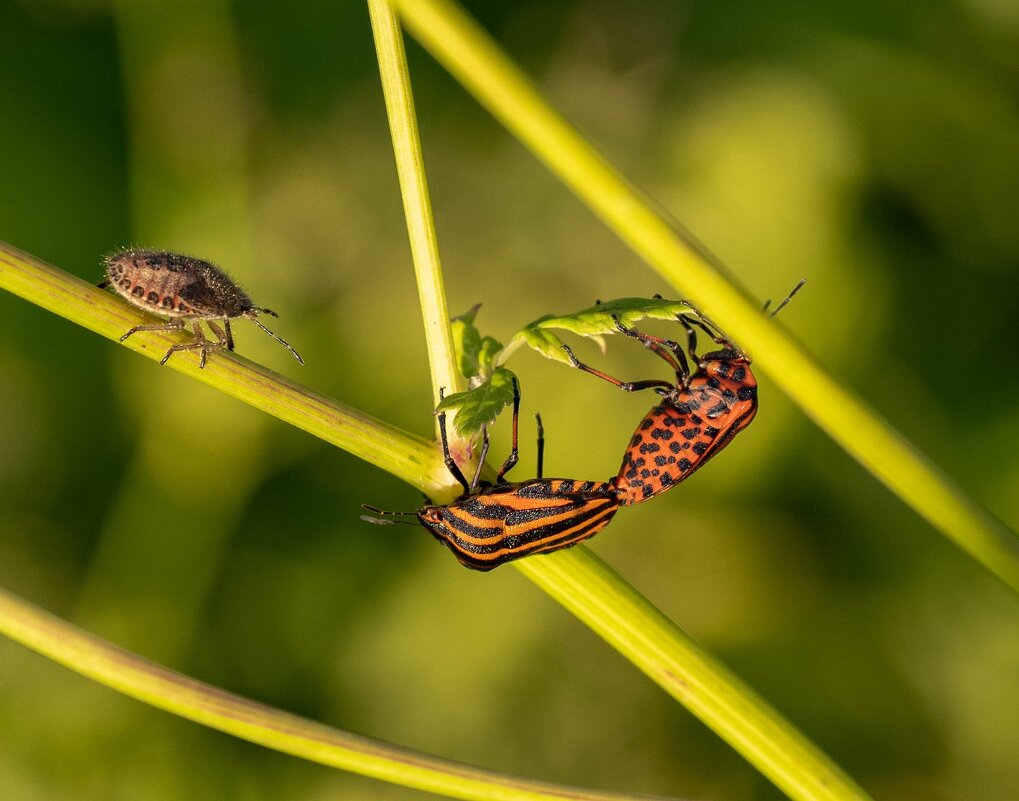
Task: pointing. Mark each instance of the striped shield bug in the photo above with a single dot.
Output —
(183, 288)
(491, 524)
(698, 415)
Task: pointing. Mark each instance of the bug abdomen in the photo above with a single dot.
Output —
(676, 438)
(157, 289)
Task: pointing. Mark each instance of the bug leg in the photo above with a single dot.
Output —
(666, 349)
(200, 343)
(451, 465)
(514, 453)
(691, 338)
(176, 325)
(541, 445)
(626, 386)
(481, 460)
(716, 337)
(203, 346)
(708, 327)
(225, 337)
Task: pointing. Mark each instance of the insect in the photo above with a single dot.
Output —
(183, 288)
(698, 415)
(489, 525)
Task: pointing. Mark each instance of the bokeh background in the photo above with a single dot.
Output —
(872, 147)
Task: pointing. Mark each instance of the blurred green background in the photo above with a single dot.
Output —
(871, 147)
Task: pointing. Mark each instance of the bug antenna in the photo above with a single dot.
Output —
(788, 297)
(279, 339)
(541, 445)
(378, 521)
(270, 312)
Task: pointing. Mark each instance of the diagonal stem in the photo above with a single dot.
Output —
(409, 457)
(210, 706)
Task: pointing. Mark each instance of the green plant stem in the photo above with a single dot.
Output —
(409, 457)
(410, 168)
(475, 60)
(163, 688)
(603, 600)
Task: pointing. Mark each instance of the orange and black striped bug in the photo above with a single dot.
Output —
(183, 288)
(698, 415)
(489, 525)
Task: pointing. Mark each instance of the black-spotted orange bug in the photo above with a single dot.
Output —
(183, 288)
(489, 525)
(698, 415)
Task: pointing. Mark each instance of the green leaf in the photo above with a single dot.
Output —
(475, 353)
(601, 318)
(467, 341)
(487, 354)
(478, 407)
(594, 322)
(545, 342)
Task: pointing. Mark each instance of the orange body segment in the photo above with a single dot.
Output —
(691, 425)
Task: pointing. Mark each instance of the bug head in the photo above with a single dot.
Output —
(430, 514)
(252, 314)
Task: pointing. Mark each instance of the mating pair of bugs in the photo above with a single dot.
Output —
(698, 415)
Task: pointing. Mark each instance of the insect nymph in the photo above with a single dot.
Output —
(489, 525)
(183, 288)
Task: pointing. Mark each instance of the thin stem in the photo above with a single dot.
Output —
(210, 706)
(417, 207)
